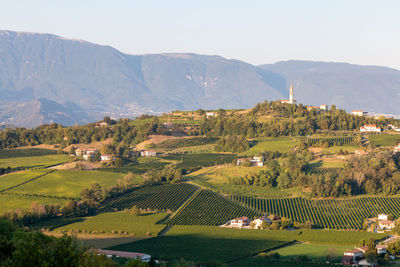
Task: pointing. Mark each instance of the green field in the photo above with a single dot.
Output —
(346, 213)
(185, 142)
(281, 144)
(12, 202)
(218, 179)
(28, 152)
(384, 139)
(209, 208)
(138, 169)
(13, 179)
(188, 161)
(313, 251)
(160, 197)
(69, 183)
(144, 224)
(204, 243)
(33, 162)
(336, 149)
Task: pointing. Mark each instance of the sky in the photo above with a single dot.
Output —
(361, 32)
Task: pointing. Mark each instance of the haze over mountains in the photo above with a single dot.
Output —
(45, 78)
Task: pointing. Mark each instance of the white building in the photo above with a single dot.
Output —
(255, 161)
(148, 153)
(107, 157)
(370, 128)
(240, 222)
(88, 157)
(257, 223)
(323, 107)
(381, 249)
(393, 127)
(122, 254)
(210, 114)
(382, 217)
(359, 113)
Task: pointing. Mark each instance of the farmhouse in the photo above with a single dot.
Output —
(88, 157)
(396, 149)
(79, 152)
(309, 108)
(359, 113)
(148, 153)
(386, 225)
(107, 157)
(91, 151)
(240, 222)
(382, 217)
(255, 161)
(381, 249)
(393, 127)
(210, 114)
(122, 254)
(370, 128)
(352, 256)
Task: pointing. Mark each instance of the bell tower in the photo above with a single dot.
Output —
(291, 94)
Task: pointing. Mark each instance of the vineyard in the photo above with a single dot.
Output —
(327, 213)
(29, 152)
(336, 140)
(137, 169)
(186, 142)
(159, 197)
(209, 208)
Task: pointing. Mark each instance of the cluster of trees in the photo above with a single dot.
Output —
(234, 144)
(168, 174)
(378, 172)
(284, 174)
(283, 120)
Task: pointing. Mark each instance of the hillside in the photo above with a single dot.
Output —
(86, 81)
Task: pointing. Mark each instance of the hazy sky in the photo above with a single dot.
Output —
(356, 31)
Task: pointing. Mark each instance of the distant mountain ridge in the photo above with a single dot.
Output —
(82, 81)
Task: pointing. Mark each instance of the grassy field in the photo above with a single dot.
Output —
(313, 251)
(33, 162)
(336, 149)
(28, 152)
(12, 202)
(138, 169)
(144, 224)
(384, 139)
(217, 179)
(281, 144)
(16, 178)
(204, 243)
(188, 161)
(327, 163)
(69, 183)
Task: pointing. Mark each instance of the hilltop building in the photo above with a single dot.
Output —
(371, 128)
(291, 97)
(359, 113)
(323, 107)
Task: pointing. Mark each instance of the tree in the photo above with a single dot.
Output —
(135, 210)
(371, 256)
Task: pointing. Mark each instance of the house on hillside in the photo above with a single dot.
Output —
(79, 151)
(107, 157)
(91, 151)
(148, 153)
(386, 224)
(393, 127)
(257, 161)
(370, 128)
(210, 114)
(361, 153)
(352, 256)
(383, 217)
(359, 113)
(309, 108)
(240, 222)
(396, 149)
(122, 254)
(381, 249)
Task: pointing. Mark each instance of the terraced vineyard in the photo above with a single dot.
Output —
(210, 208)
(327, 213)
(340, 140)
(160, 197)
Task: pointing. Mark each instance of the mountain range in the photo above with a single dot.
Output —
(46, 78)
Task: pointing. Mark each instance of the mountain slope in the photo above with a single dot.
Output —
(101, 81)
(370, 88)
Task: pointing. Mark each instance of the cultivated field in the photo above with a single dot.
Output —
(384, 139)
(189, 161)
(158, 197)
(281, 144)
(12, 202)
(17, 178)
(122, 223)
(33, 161)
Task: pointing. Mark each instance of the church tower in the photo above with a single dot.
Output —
(291, 96)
